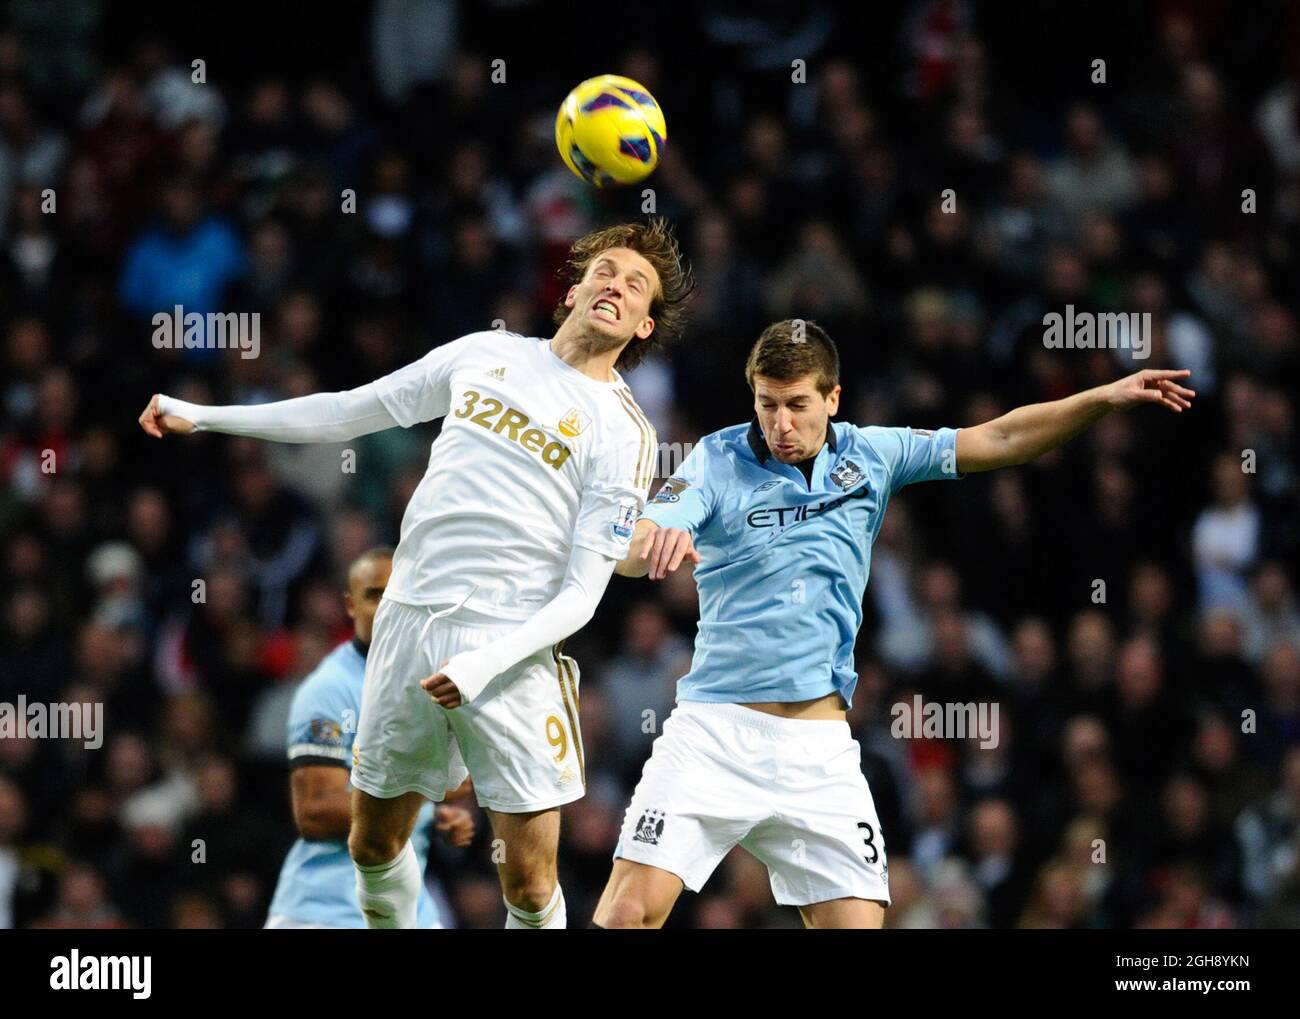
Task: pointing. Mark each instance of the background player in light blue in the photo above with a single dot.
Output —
(317, 886)
(780, 515)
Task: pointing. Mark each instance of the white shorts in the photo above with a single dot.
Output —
(789, 791)
(519, 738)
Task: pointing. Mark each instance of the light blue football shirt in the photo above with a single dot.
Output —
(783, 560)
(318, 883)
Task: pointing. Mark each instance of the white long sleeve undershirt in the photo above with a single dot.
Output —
(335, 417)
(569, 611)
(320, 417)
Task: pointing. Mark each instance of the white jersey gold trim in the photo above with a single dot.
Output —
(534, 458)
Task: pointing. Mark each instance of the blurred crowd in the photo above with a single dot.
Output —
(937, 178)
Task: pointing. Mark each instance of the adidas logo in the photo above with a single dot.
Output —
(497, 373)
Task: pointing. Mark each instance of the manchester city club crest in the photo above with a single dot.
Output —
(650, 828)
(846, 474)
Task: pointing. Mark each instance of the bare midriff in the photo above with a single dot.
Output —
(830, 706)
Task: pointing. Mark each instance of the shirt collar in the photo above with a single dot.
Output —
(760, 448)
(360, 646)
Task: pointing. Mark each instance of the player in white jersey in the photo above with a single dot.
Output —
(508, 543)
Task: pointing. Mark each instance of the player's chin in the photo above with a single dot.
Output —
(611, 328)
(610, 335)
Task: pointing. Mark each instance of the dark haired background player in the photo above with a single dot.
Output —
(318, 886)
(781, 515)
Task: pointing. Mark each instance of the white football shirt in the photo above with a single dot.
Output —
(534, 458)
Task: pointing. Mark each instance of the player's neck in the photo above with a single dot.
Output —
(586, 354)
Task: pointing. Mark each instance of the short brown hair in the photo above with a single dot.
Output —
(653, 241)
(794, 348)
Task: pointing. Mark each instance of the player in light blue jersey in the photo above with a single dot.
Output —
(317, 886)
(780, 515)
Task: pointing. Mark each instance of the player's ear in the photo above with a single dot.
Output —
(646, 327)
(571, 298)
(833, 401)
(350, 605)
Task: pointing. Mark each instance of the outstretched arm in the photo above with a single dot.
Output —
(1030, 431)
(419, 391)
(321, 417)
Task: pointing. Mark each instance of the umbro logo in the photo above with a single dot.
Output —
(650, 828)
(497, 373)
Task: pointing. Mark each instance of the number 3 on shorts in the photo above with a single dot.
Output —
(556, 736)
(869, 841)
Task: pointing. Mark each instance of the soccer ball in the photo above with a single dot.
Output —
(610, 131)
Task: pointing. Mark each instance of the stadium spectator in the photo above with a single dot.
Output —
(1147, 770)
